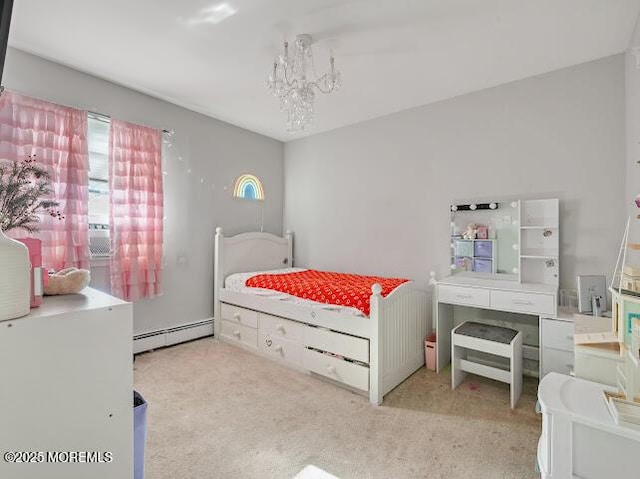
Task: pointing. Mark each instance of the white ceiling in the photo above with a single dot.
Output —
(393, 54)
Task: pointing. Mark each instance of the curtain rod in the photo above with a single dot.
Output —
(89, 112)
(106, 118)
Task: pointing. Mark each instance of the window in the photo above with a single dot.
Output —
(98, 141)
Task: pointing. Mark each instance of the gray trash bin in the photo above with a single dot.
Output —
(139, 434)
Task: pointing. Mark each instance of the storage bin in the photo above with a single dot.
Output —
(139, 434)
(463, 248)
(463, 264)
(430, 352)
(482, 265)
(483, 249)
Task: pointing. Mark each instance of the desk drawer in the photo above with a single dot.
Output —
(281, 327)
(337, 343)
(557, 334)
(556, 361)
(239, 333)
(462, 295)
(533, 303)
(348, 373)
(280, 348)
(239, 315)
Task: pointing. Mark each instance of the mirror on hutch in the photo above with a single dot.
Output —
(514, 240)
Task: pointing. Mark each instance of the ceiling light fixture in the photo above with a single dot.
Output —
(294, 81)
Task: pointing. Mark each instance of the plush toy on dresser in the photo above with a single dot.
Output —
(67, 281)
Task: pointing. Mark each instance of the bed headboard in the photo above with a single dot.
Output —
(251, 252)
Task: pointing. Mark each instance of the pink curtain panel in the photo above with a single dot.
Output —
(136, 200)
(56, 135)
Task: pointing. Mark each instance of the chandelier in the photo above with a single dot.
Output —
(294, 81)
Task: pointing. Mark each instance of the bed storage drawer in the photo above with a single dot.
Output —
(239, 315)
(345, 372)
(239, 333)
(523, 302)
(281, 327)
(462, 295)
(280, 348)
(337, 343)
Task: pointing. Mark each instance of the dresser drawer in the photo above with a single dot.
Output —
(523, 302)
(462, 295)
(281, 327)
(556, 361)
(281, 348)
(337, 343)
(348, 373)
(239, 315)
(557, 334)
(239, 333)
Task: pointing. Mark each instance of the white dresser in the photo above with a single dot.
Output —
(66, 382)
(579, 437)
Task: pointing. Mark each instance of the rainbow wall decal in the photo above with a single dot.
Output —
(248, 187)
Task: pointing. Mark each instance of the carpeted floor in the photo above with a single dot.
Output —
(216, 411)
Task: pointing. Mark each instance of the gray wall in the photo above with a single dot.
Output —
(374, 197)
(197, 189)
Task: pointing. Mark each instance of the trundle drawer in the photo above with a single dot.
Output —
(557, 334)
(281, 327)
(280, 348)
(239, 315)
(461, 295)
(337, 343)
(348, 373)
(523, 302)
(240, 333)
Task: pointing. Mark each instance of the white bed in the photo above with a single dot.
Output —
(370, 355)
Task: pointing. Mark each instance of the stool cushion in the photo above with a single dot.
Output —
(489, 332)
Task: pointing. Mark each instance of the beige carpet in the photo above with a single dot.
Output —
(216, 411)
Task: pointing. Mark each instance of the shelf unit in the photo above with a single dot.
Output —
(539, 241)
(474, 254)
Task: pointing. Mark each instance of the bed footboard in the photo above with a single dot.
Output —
(399, 327)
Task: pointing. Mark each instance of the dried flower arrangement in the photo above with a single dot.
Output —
(24, 189)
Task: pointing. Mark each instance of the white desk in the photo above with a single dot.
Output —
(537, 300)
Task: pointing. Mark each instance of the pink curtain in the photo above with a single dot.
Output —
(135, 184)
(56, 135)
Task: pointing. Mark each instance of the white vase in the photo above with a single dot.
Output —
(15, 289)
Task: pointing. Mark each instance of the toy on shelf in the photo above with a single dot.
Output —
(471, 232)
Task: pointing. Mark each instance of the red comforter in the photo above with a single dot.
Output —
(341, 289)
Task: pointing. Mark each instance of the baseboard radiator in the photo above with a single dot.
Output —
(170, 336)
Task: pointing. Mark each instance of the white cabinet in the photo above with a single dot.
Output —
(579, 437)
(66, 384)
